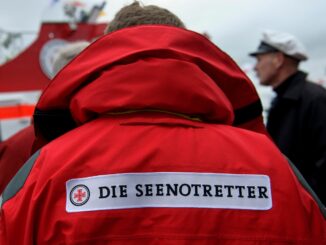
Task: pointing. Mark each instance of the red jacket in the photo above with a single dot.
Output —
(164, 145)
(14, 152)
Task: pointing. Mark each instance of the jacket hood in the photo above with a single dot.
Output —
(151, 68)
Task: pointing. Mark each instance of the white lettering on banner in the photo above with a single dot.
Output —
(170, 190)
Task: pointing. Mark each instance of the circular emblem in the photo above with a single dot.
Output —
(79, 195)
(48, 54)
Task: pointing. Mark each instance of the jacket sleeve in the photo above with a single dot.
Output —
(318, 139)
(18, 208)
(14, 152)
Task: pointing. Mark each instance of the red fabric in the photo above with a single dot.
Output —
(14, 152)
(141, 142)
(183, 53)
(155, 143)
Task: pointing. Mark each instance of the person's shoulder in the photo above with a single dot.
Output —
(314, 98)
(314, 91)
(312, 86)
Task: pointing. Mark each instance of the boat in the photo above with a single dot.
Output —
(23, 78)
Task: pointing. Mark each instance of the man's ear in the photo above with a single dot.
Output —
(278, 59)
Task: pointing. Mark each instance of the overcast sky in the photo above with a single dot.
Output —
(234, 25)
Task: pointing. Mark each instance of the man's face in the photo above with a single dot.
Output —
(266, 68)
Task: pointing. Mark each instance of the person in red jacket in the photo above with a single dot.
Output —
(156, 138)
(16, 150)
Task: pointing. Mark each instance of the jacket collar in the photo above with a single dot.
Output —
(292, 87)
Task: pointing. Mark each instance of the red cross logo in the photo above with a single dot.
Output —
(79, 195)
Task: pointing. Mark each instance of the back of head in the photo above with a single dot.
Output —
(66, 54)
(134, 14)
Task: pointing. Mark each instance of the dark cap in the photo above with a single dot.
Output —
(264, 48)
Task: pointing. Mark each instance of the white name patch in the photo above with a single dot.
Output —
(169, 190)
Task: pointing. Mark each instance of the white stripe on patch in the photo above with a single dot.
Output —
(169, 190)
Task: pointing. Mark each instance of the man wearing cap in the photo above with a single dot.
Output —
(297, 118)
